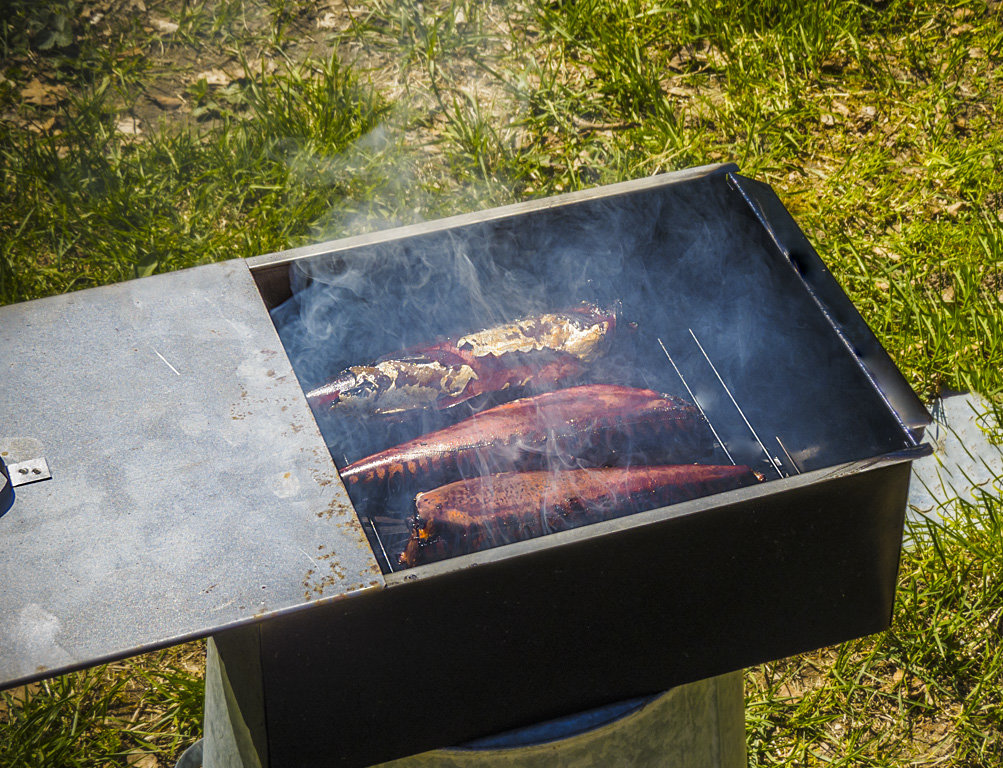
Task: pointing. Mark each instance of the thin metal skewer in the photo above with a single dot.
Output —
(379, 540)
(788, 455)
(734, 402)
(694, 399)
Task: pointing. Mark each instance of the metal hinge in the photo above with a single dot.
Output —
(30, 471)
(20, 473)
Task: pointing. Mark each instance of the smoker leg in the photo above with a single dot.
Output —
(234, 703)
(699, 725)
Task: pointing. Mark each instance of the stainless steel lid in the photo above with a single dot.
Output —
(190, 488)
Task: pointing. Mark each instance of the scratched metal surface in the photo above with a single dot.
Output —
(190, 487)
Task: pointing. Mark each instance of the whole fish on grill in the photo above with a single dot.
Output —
(541, 351)
(584, 426)
(484, 512)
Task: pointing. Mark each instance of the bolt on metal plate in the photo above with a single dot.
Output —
(31, 471)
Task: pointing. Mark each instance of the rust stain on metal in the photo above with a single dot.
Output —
(323, 478)
(350, 526)
(336, 508)
(314, 584)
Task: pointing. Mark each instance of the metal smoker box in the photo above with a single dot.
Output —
(193, 493)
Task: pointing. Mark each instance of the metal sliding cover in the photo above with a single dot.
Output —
(190, 489)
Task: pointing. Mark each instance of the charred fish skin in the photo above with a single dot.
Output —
(543, 350)
(395, 386)
(582, 332)
(481, 513)
(585, 426)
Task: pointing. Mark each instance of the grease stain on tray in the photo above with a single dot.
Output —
(286, 485)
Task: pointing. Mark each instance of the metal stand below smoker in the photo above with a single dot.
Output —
(697, 725)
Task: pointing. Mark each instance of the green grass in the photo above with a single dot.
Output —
(927, 691)
(91, 205)
(876, 122)
(150, 706)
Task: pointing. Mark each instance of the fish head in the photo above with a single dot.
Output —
(357, 386)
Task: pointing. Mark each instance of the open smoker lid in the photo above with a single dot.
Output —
(191, 490)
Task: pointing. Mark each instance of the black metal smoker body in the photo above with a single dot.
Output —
(234, 522)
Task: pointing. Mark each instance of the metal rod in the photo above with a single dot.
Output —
(734, 402)
(788, 455)
(695, 402)
(379, 540)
